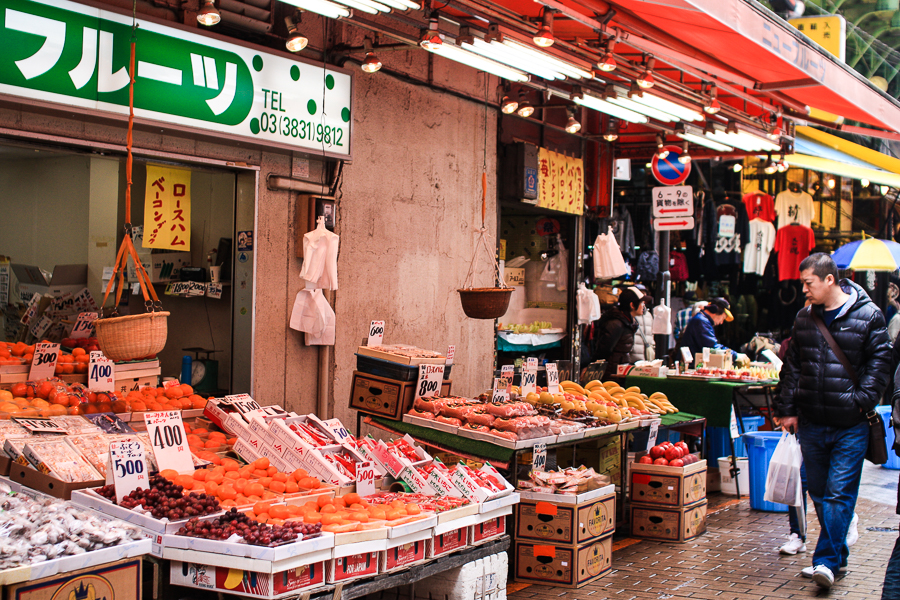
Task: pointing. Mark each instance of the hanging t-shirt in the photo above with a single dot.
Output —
(793, 243)
(760, 244)
(731, 233)
(760, 206)
(794, 208)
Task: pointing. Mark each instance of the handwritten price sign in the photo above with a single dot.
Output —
(243, 403)
(552, 378)
(101, 377)
(43, 365)
(128, 467)
(451, 352)
(84, 326)
(430, 378)
(376, 334)
(539, 458)
(169, 441)
(529, 381)
(501, 391)
(365, 478)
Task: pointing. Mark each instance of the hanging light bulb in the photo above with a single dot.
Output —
(737, 167)
(544, 38)
(884, 190)
(607, 61)
(684, 158)
(525, 108)
(508, 106)
(864, 183)
(295, 41)
(645, 79)
(572, 126)
(612, 130)
(430, 38)
(371, 64)
(831, 183)
(712, 105)
(774, 134)
(782, 165)
(208, 14)
(770, 167)
(661, 151)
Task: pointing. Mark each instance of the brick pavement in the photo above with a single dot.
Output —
(738, 559)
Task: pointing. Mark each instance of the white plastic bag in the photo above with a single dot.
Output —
(783, 485)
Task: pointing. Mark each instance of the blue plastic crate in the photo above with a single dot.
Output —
(761, 446)
(718, 439)
(893, 460)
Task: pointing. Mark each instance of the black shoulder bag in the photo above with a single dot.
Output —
(877, 450)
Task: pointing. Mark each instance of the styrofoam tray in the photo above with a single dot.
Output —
(595, 431)
(493, 514)
(90, 499)
(324, 542)
(568, 437)
(448, 516)
(446, 427)
(74, 563)
(412, 527)
(246, 564)
(566, 498)
(628, 425)
(497, 503)
(442, 528)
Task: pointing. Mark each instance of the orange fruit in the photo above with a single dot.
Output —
(413, 509)
(185, 481)
(291, 488)
(200, 474)
(267, 495)
(276, 521)
(279, 477)
(361, 516)
(227, 492)
(211, 487)
(169, 474)
(331, 519)
(254, 489)
(261, 463)
(264, 481)
(299, 474)
(277, 486)
(351, 498)
(240, 485)
(262, 507)
(328, 509)
(279, 512)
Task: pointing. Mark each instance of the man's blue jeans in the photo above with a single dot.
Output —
(833, 458)
(891, 589)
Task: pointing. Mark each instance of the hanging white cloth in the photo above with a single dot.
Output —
(662, 320)
(313, 316)
(588, 305)
(608, 261)
(320, 251)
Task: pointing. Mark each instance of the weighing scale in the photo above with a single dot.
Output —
(204, 372)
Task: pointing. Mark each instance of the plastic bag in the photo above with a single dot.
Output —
(783, 485)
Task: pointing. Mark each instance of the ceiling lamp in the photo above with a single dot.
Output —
(774, 134)
(864, 183)
(685, 157)
(884, 190)
(831, 183)
(321, 7)
(208, 14)
(371, 64)
(508, 106)
(712, 105)
(544, 38)
(770, 167)
(430, 38)
(608, 108)
(607, 61)
(737, 167)
(661, 151)
(645, 79)
(740, 137)
(638, 100)
(525, 108)
(694, 134)
(612, 130)
(295, 41)
(572, 126)
(782, 165)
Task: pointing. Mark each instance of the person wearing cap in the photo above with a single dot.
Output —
(700, 332)
(616, 329)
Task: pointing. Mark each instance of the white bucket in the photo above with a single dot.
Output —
(728, 486)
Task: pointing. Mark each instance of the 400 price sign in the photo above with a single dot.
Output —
(169, 441)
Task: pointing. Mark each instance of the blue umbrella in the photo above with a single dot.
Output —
(869, 254)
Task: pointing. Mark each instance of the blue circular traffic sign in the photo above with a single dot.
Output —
(668, 170)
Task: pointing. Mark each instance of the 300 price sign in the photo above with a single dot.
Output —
(43, 365)
(430, 379)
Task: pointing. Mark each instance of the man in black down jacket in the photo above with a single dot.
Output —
(616, 329)
(820, 400)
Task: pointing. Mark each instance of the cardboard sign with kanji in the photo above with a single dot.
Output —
(167, 209)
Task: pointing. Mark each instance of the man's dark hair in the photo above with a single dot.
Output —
(822, 265)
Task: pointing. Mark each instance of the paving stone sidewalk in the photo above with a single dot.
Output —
(738, 557)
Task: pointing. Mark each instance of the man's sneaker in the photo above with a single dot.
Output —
(808, 571)
(793, 545)
(822, 576)
(853, 532)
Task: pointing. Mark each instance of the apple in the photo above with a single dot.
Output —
(684, 447)
(657, 452)
(673, 452)
(676, 463)
(661, 461)
(646, 460)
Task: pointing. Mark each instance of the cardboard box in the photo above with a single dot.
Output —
(65, 278)
(119, 580)
(377, 352)
(385, 397)
(404, 552)
(664, 524)
(47, 484)
(448, 542)
(668, 486)
(247, 583)
(645, 371)
(559, 523)
(563, 566)
(161, 266)
(719, 361)
(354, 566)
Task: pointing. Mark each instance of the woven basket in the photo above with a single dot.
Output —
(132, 337)
(485, 303)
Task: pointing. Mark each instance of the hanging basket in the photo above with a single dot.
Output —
(485, 303)
(132, 337)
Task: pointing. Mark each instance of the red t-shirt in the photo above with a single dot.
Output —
(760, 206)
(793, 243)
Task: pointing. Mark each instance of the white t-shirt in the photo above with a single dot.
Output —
(757, 250)
(794, 208)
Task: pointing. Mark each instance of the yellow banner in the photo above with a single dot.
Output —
(560, 182)
(167, 209)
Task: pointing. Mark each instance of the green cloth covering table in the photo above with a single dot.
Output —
(712, 399)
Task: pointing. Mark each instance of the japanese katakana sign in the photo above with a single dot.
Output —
(167, 209)
(77, 56)
(560, 182)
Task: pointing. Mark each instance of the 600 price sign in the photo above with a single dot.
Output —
(430, 379)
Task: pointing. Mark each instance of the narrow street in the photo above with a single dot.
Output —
(738, 556)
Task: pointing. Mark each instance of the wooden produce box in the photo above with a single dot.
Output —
(665, 524)
(563, 566)
(376, 352)
(290, 582)
(563, 523)
(385, 397)
(120, 580)
(668, 486)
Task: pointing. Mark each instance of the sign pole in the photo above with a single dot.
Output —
(664, 287)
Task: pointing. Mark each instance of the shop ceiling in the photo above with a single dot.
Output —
(728, 75)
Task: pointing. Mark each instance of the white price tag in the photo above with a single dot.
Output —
(539, 457)
(501, 391)
(705, 357)
(169, 441)
(552, 378)
(733, 425)
(451, 352)
(531, 362)
(686, 356)
(727, 226)
(128, 466)
(365, 478)
(507, 372)
(338, 429)
(529, 381)
(101, 377)
(430, 379)
(243, 403)
(654, 431)
(39, 425)
(84, 326)
(43, 365)
(376, 334)
(214, 290)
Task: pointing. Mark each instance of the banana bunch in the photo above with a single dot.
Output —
(659, 401)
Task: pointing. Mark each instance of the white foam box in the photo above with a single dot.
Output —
(445, 427)
(325, 541)
(251, 584)
(76, 562)
(355, 561)
(404, 551)
(490, 506)
(90, 499)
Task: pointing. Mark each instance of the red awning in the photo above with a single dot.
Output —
(756, 45)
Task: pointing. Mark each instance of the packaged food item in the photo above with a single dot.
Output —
(75, 424)
(60, 460)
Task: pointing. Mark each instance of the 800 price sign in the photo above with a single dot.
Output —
(430, 379)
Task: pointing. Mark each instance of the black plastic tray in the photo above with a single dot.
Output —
(391, 370)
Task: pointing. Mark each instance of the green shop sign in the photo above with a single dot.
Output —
(67, 53)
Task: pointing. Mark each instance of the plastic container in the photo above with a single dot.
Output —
(717, 438)
(893, 461)
(391, 370)
(743, 479)
(761, 446)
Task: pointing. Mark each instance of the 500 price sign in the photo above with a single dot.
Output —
(430, 379)
(169, 441)
(128, 467)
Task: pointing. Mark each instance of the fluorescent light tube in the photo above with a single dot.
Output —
(704, 141)
(321, 7)
(603, 106)
(476, 61)
(502, 54)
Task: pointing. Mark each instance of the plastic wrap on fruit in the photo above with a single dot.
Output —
(565, 427)
(507, 435)
(511, 409)
(476, 427)
(401, 447)
(480, 417)
(456, 410)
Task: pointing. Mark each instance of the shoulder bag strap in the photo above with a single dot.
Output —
(833, 345)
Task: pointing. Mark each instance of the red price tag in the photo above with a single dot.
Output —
(43, 365)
